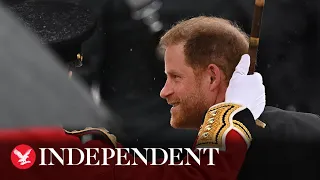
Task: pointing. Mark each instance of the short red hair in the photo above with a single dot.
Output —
(209, 40)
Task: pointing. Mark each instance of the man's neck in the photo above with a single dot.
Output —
(221, 95)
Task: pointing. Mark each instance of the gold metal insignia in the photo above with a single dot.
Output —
(90, 130)
(75, 63)
(79, 57)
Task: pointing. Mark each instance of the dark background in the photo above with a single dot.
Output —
(121, 56)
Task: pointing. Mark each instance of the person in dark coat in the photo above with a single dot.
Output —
(285, 147)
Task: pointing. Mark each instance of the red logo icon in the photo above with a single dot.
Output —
(23, 156)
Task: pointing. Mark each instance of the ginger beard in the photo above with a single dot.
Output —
(190, 108)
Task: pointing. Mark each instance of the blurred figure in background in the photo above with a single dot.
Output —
(62, 27)
(35, 90)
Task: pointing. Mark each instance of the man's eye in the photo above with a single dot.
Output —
(175, 76)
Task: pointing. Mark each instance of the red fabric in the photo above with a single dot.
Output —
(227, 166)
(45, 138)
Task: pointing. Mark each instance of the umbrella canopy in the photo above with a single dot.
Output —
(35, 89)
(63, 26)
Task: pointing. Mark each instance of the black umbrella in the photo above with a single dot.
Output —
(35, 89)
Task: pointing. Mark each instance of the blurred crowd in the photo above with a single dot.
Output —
(122, 59)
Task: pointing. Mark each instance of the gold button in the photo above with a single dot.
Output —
(208, 128)
(211, 120)
(213, 112)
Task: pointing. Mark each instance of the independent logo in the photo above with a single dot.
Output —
(23, 156)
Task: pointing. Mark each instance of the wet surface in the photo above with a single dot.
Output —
(54, 21)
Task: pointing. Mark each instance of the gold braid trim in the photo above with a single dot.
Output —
(217, 123)
(243, 131)
(90, 130)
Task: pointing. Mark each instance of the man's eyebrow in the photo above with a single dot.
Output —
(172, 72)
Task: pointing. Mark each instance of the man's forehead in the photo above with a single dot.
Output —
(174, 55)
(173, 71)
(174, 59)
(177, 67)
(173, 65)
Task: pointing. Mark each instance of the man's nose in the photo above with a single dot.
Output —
(166, 91)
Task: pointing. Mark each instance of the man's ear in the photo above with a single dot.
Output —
(214, 74)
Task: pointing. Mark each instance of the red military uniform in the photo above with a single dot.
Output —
(226, 126)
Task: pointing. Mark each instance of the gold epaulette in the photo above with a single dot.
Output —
(94, 131)
(217, 123)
